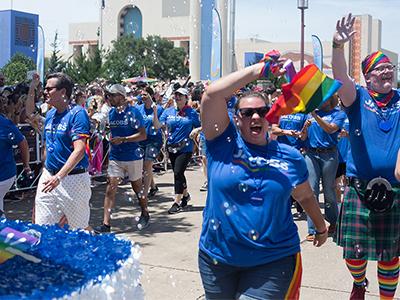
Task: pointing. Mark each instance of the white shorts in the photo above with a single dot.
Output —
(70, 198)
(118, 168)
(5, 186)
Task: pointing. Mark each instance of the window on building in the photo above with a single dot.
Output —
(131, 22)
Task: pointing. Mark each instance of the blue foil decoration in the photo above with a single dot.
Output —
(70, 260)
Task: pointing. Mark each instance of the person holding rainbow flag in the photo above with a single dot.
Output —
(249, 244)
(369, 220)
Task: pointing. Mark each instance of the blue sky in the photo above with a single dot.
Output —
(273, 20)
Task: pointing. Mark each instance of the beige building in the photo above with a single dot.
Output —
(181, 21)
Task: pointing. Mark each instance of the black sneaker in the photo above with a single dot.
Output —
(185, 200)
(153, 191)
(175, 208)
(143, 222)
(103, 228)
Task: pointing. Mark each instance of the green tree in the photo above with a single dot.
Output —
(129, 56)
(16, 69)
(55, 63)
(86, 67)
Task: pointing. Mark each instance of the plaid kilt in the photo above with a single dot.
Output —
(367, 235)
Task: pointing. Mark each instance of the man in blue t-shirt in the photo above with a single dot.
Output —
(369, 224)
(126, 157)
(64, 187)
(321, 157)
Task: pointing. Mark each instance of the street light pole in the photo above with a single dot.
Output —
(103, 5)
(302, 5)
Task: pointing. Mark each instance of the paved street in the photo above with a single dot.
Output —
(169, 245)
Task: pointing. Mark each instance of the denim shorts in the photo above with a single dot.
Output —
(202, 145)
(151, 150)
(280, 279)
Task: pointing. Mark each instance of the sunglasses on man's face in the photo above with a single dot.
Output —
(249, 112)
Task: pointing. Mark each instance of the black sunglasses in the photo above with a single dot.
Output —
(50, 88)
(249, 112)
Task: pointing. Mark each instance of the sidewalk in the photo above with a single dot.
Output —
(169, 245)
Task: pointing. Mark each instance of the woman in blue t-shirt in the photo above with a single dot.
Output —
(9, 137)
(151, 146)
(180, 120)
(249, 245)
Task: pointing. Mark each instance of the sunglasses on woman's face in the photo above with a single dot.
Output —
(249, 112)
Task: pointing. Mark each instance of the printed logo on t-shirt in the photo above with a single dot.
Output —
(292, 117)
(124, 122)
(254, 163)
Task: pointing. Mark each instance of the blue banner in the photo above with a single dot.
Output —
(216, 47)
(40, 54)
(317, 50)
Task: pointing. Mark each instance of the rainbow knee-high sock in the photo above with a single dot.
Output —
(388, 277)
(357, 268)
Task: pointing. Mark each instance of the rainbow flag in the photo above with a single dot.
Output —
(307, 91)
(13, 242)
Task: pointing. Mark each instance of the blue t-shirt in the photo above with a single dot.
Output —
(292, 122)
(153, 135)
(247, 220)
(374, 137)
(60, 131)
(343, 144)
(9, 137)
(317, 137)
(179, 127)
(125, 123)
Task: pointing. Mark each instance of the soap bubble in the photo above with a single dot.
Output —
(243, 187)
(358, 251)
(253, 234)
(214, 224)
(153, 130)
(139, 152)
(153, 152)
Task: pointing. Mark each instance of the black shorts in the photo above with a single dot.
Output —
(341, 170)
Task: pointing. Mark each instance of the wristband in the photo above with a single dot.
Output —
(321, 232)
(336, 45)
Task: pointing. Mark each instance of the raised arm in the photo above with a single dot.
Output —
(343, 34)
(214, 113)
(30, 100)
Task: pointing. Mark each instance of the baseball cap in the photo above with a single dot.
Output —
(117, 89)
(182, 91)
